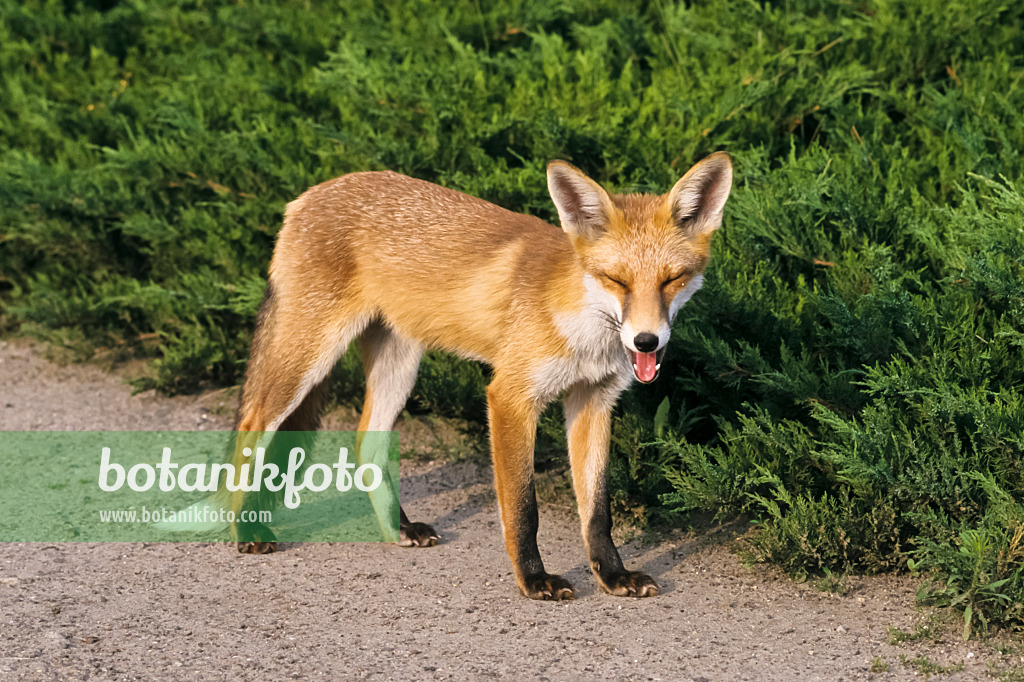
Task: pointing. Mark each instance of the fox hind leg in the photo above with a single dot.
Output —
(284, 390)
(390, 361)
(303, 422)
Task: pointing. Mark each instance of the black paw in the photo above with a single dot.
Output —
(256, 547)
(547, 587)
(254, 538)
(417, 535)
(629, 584)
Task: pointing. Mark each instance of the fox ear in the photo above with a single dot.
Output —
(583, 206)
(698, 198)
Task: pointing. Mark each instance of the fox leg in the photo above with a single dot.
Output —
(254, 538)
(291, 358)
(390, 362)
(588, 425)
(513, 426)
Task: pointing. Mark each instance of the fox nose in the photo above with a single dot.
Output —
(645, 342)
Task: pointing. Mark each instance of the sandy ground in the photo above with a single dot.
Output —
(451, 612)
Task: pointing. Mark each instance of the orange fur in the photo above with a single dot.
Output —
(406, 265)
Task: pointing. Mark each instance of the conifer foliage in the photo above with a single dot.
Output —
(850, 375)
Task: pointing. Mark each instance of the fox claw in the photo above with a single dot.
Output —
(630, 584)
(547, 587)
(417, 535)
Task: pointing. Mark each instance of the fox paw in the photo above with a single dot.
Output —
(547, 587)
(417, 535)
(256, 547)
(254, 538)
(629, 584)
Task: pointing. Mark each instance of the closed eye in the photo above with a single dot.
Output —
(671, 280)
(614, 281)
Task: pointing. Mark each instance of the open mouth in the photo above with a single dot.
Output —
(646, 365)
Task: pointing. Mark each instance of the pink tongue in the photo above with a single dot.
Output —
(646, 366)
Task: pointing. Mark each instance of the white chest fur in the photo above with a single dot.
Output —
(593, 336)
(596, 352)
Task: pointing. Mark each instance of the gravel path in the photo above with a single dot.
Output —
(451, 612)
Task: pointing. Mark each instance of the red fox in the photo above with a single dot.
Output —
(404, 265)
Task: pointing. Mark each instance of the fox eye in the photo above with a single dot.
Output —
(614, 281)
(671, 280)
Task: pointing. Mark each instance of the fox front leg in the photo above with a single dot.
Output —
(513, 425)
(588, 425)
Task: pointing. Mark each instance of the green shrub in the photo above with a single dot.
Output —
(850, 374)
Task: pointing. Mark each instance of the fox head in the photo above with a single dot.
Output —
(643, 255)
